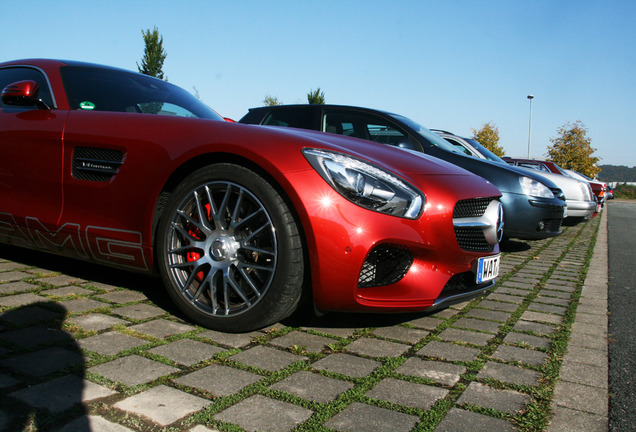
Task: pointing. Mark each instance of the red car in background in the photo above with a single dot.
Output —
(240, 221)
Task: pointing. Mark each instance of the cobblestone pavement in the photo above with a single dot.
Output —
(87, 348)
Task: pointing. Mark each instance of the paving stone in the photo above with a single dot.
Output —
(30, 315)
(132, 370)
(508, 401)
(490, 315)
(311, 342)
(527, 356)
(17, 287)
(533, 341)
(260, 413)
(111, 343)
(347, 364)
(521, 285)
(343, 332)
(586, 374)
(377, 348)
(102, 286)
(67, 291)
(123, 296)
(509, 373)
(547, 308)
(477, 324)
(568, 420)
(13, 276)
(535, 327)
(553, 301)
(502, 297)
(234, 340)
(588, 341)
(449, 351)
(187, 351)
(361, 417)
(554, 293)
(36, 335)
(445, 313)
(219, 380)
(6, 266)
(139, 311)
(82, 305)
(426, 323)
(512, 291)
(163, 405)
(402, 334)
(44, 362)
(574, 396)
(471, 337)
(61, 393)
(457, 419)
(541, 317)
(93, 423)
(266, 358)
(444, 373)
(161, 328)
(407, 393)
(588, 356)
(21, 300)
(595, 329)
(498, 306)
(313, 387)
(96, 321)
(61, 280)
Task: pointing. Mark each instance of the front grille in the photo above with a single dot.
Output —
(386, 264)
(96, 164)
(471, 238)
(471, 207)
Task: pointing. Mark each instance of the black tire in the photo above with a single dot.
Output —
(229, 250)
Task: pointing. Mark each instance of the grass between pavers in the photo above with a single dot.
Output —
(535, 418)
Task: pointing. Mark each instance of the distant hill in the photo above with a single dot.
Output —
(617, 173)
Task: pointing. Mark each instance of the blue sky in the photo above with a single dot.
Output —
(452, 65)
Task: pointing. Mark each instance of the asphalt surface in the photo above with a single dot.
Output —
(622, 319)
(84, 348)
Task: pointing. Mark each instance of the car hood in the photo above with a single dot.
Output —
(392, 158)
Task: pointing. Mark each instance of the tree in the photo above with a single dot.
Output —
(572, 149)
(154, 54)
(271, 101)
(316, 97)
(488, 136)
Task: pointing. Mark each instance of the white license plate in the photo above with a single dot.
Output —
(487, 268)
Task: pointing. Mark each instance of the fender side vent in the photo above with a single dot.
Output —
(96, 164)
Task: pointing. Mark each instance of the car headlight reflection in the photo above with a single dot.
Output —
(366, 185)
(535, 188)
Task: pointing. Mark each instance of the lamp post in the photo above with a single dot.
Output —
(530, 126)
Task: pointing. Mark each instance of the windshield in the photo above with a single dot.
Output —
(429, 136)
(97, 89)
(484, 151)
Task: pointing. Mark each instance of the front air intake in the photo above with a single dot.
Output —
(386, 264)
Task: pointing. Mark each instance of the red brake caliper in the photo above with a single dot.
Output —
(194, 255)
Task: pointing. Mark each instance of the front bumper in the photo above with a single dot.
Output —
(580, 209)
(532, 218)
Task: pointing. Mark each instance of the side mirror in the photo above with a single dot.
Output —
(406, 145)
(23, 93)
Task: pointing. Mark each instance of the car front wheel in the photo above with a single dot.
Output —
(229, 250)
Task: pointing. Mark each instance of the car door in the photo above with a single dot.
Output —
(30, 164)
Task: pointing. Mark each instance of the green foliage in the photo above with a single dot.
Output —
(572, 149)
(617, 173)
(625, 191)
(271, 101)
(488, 136)
(316, 97)
(154, 54)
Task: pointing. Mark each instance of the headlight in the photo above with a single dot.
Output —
(366, 185)
(535, 188)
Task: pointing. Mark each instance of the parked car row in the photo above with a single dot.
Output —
(242, 223)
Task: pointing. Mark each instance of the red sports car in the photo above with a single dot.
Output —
(240, 221)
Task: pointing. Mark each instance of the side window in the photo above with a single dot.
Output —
(298, 118)
(15, 74)
(365, 126)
